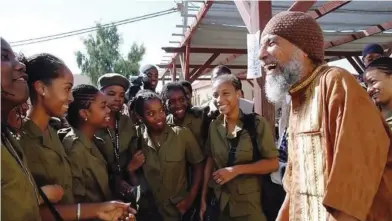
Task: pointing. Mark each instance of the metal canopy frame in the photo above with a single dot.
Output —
(218, 36)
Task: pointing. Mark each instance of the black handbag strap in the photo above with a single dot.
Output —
(52, 209)
(233, 144)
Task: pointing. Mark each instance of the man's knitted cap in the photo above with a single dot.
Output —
(301, 30)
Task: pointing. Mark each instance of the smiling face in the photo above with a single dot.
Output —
(56, 95)
(177, 104)
(225, 96)
(115, 97)
(283, 64)
(154, 115)
(379, 86)
(98, 112)
(13, 78)
(153, 78)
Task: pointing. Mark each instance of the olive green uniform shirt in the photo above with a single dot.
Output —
(241, 194)
(19, 195)
(89, 169)
(165, 168)
(46, 159)
(193, 123)
(126, 133)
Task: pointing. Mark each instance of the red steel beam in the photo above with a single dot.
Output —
(366, 33)
(201, 70)
(355, 65)
(327, 8)
(245, 51)
(224, 62)
(359, 62)
(192, 66)
(301, 6)
(199, 16)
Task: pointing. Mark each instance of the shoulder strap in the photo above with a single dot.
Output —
(249, 121)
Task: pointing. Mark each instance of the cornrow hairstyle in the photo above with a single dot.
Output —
(229, 78)
(384, 64)
(137, 103)
(171, 86)
(84, 95)
(42, 67)
(187, 84)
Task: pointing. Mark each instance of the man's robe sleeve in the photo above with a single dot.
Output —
(357, 144)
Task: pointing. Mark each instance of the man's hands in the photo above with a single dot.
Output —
(114, 210)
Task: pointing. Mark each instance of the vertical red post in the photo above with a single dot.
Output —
(173, 71)
(260, 14)
(186, 61)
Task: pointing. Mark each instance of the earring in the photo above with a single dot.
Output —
(85, 119)
(43, 94)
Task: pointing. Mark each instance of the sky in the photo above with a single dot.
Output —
(30, 19)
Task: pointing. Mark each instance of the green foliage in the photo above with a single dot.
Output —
(103, 55)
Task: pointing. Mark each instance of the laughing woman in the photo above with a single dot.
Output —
(163, 155)
(378, 77)
(118, 134)
(19, 194)
(87, 113)
(176, 103)
(50, 82)
(236, 184)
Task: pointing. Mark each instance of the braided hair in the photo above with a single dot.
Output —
(171, 86)
(84, 95)
(41, 67)
(137, 103)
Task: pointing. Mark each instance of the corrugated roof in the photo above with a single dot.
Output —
(223, 27)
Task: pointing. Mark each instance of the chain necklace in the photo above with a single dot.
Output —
(116, 144)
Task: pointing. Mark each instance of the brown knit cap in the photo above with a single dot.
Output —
(300, 29)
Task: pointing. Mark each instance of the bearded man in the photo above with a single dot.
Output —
(340, 163)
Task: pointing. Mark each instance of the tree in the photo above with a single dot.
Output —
(103, 55)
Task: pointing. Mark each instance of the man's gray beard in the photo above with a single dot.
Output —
(278, 84)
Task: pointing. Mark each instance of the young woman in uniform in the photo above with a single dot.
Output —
(50, 82)
(118, 134)
(163, 155)
(176, 103)
(19, 194)
(378, 77)
(236, 187)
(87, 113)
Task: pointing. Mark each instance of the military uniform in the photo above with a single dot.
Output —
(240, 197)
(126, 133)
(89, 170)
(165, 166)
(19, 194)
(193, 121)
(47, 159)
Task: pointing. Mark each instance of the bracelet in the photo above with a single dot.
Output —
(78, 212)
